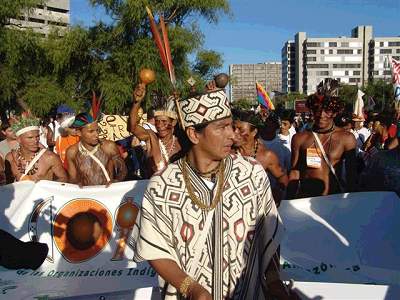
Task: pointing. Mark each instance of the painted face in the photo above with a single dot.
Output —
(90, 134)
(246, 131)
(164, 126)
(30, 140)
(217, 139)
(237, 140)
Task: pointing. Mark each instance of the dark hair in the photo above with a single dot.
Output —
(343, 119)
(384, 120)
(184, 141)
(287, 115)
(5, 125)
(150, 114)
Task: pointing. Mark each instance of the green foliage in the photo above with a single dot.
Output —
(243, 104)
(382, 93)
(106, 58)
(207, 63)
(287, 100)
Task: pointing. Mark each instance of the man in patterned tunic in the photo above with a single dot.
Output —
(209, 225)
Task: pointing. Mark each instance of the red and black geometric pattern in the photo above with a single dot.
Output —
(204, 108)
(171, 224)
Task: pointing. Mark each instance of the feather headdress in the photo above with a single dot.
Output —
(92, 116)
(326, 97)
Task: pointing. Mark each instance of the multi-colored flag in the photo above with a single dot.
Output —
(263, 97)
(396, 78)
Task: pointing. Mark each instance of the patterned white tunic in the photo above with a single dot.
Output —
(245, 232)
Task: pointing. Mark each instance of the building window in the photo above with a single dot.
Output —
(345, 51)
(346, 66)
(318, 66)
(397, 50)
(313, 58)
(56, 9)
(346, 73)
(35, 20)
(313, 44)
(322, 51)
(332, 44)
(354, 80)
(330, 51)
(311, 51)
(381, 44)
(394, 44)
(356, 72)
(57, 23)
(387, 72)
(359, 51)
(385, 51)
(344, 44)
(322, 73)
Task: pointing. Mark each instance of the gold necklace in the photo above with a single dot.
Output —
(190, 190)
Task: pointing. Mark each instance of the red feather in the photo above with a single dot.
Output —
(167, 51)
(157, 39)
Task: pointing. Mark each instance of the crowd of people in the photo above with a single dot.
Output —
(201, 154)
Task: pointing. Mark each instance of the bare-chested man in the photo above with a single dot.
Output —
(161, 146)
(30, 161)
(247, 143)
(93, 161)
(311, 174)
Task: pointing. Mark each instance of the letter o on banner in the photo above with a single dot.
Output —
(82, 228)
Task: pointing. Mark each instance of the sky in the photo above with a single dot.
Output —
(256, 30)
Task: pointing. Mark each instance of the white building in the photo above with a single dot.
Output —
(52, 14)
(244, 78)
(352, 60)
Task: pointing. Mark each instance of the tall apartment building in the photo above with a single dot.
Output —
(52, 14)
(244, 78)
(288, 67)
(352, 60)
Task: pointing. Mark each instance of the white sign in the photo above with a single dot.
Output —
(78, 263)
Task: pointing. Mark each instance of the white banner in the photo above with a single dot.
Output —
(83, 259)
(346, 238)
(337, 239)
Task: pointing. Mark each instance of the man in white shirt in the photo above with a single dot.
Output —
(360, 132)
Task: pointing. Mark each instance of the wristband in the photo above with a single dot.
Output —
(184, 287)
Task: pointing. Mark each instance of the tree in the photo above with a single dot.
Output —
(106, 58)
(243, 104)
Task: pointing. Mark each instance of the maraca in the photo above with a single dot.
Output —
(147, 76)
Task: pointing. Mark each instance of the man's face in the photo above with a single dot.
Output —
(216, 139)
(246, 131)
(285, 126)
(90, 134)
(9, 134)
(377, 127)
(237, 140)
(323, 118)
(29, 140)
(358, 125)
(164, 126)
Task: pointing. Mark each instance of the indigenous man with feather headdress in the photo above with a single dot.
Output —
(161, 146)
(93, 161)
(317, 154)
(30, 161)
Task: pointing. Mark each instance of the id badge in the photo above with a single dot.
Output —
(313, 158)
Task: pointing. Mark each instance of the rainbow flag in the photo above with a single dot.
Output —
(263, 97)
